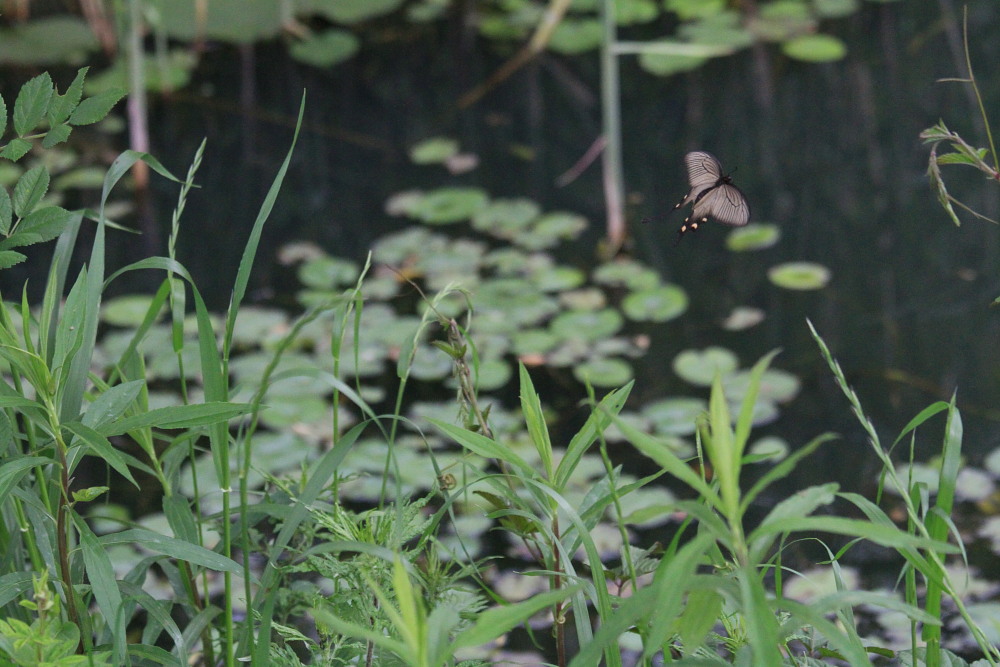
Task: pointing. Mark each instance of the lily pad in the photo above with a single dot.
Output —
(326, 49)
(406, 202)
(815, 48)
(504, 218)
(256, 325)
(449, 205)
(236, 21)
(667, 64)
(743, 317)
(558, 278)
(755, 236)
(831, 9)
(799, 275)
(126, 311)
(631, 12)
(349, 11)
(434, 150)
(44, 42)
(723, 30)
(675, 416)
(626, 273)
(533, 341)
(783, 19)
(550, 229)
(691, 9)
(775, 385)
(587, 298)
(657, 304)
(603, 372)
(494, 374)
(587, 325)
(327, 272)
(573, 36)
(648, 507)
(430, 363)
(699, 367)
(770, 447)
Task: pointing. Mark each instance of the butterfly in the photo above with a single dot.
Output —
(712, 195)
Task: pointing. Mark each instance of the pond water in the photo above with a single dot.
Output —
(829, 153)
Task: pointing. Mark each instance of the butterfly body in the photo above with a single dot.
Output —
(712, 195)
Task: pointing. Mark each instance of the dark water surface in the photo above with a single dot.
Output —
(830, 153)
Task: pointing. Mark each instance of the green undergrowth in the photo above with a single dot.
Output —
(391, 537)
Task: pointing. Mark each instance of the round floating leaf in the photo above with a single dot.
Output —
(494, 374)
(675, 416)
(626, 273)
(783, 19)
(126, 311)
(54, 40)
(691, 9)
(755, 236)
(548, 230)
(430, 363)
(326, 49)
(256, 325)
(349, 11)
(764, 412)
(722, 30)
(666, 64)
(775, 385)
(772, 447)
(831, 9)
(504, 218)
(588, 298)
(533, 341)
(699, 367)
(508, 303)
(81, 177)
(558, 278)
(574, 36)
(449, 205)
(743, 317)
(648, 507)
(283, 411)
(404, 203)
(603, 372)
(658, 304)
(630, 12)
(395, 249)
(434, 150)
(327, 272)
(799, 275)
(237, 21)
(587, 325)
(815, 48)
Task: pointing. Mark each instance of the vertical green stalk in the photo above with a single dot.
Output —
(614, 180)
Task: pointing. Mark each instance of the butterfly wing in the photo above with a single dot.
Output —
(724, 203)
(704, 172)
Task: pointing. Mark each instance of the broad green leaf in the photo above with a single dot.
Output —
(485, 447)
(191, 553)
(102, 448)
(45, 223)
(32, 103)
(179, 416)
(16, 149)
(499, 620)
(6, 212)
(63, 105)
(56, 135)
(95, 108)
(30, 189)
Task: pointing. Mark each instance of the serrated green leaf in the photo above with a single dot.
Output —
(95, 108)
(9, 258)
(57, 135)
(30, 189)
(63, 105)
(45, 223)
(32, 103)
(16, 149)
(6, 212)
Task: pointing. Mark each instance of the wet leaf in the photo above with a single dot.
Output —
(658, 304)
(799, 275)
(699, 367)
